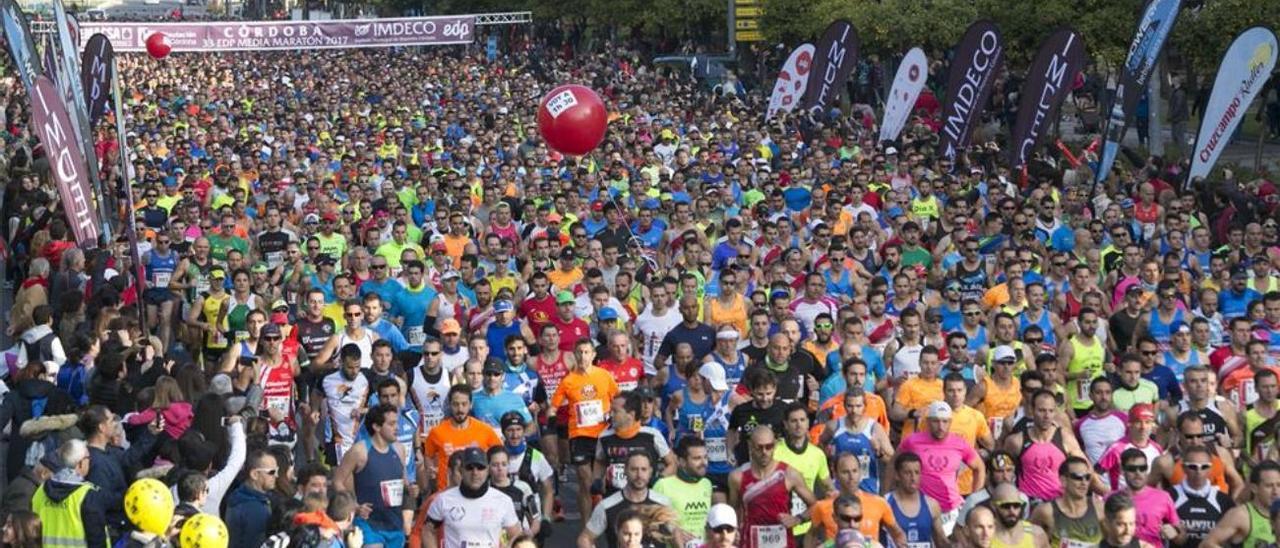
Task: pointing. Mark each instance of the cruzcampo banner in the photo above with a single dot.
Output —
(290, 35)
(1048, 83)
(977, 61)
(912, 75)
(53, 126)
(1242, 74)
(1157, 20)
(21, 45)
(792, 81)
(95, 75)
(833, 60)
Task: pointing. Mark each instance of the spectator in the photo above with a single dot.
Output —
(249, 507)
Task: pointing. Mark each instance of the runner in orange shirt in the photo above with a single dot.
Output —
(459, 432)
(875, 510)
(587, 392)
(855, 374)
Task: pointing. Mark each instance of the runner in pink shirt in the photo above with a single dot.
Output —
(1157, 515)
(1142, 423)
(942, 454)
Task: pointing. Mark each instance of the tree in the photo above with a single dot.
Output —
(1202, 35)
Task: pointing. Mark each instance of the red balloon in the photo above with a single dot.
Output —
(572, 119)
(158, 45)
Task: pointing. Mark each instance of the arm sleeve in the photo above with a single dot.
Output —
(660, 444)
(221, 482)
(434, 512)
(596, 525)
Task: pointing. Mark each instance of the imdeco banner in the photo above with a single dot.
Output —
(1144, 50)
(912, 75)
(1242, 74)
(978, 59)
(288, 35)
(21, 45)
(53, 126)
(95, 75)
(1047, 85)
(833, 60)
(792, 81)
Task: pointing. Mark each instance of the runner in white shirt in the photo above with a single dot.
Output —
(1103, 424)
(653, 324)
(473, 514)
(345, 392)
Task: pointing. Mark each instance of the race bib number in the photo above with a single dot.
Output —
(590, 413)
(618, 475)
(202, 285)
(162, 279)
(416, 336)
(1068, 543)
(769, 536)
(949, 520)
(864, 463)
(696, 423)
(278, 403)
(392, 492)
(1245, 394)
(718, 451)
(1082, 390)
(997, 428)
(275, 259)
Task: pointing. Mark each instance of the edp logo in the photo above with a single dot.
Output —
(459, 29)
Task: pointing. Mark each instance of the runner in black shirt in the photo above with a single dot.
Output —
(762, 409)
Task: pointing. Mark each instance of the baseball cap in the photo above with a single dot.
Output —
(722, 515)
(439, 246)
(566, 254)
(259, 268)
(597, 206)
(1239, 271)
(503, 306)
(493, 365)
(311, 219)
(269, 330)
(280, 304)
(1126, 203)
(646, 392)
(50, 461)
(218, 273)
(890, 151)
(220, 384)
(1179, 326)
(450, 275)
(607, 313)
(564, 297)
(1003, 352)
(473, 456)
(450, 326)
(714, 373)
(511, 418)
(939, 410)
(326, 259)
(1142, 411)
(329, 216)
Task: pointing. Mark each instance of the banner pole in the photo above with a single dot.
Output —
(123, 154)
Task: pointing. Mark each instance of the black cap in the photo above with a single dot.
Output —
(472, 456)
(269, 330)
(493, 365)
(1239, 271)
(567, 253)
(511, 418)
(646, 393)
(326, 259)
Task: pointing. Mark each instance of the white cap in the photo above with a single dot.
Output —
(939, 410)
(714, 374)
(1003, 352)
(890, 151)
(721, 515)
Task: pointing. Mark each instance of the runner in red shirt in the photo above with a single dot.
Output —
(570, 326)
(626, 369)
(539, 306)
(761, 492)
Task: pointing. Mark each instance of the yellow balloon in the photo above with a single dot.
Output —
(204, 531)
(149, 506)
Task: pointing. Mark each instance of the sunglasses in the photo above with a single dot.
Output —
(272, 339)
(1150, 352)
(353, 314)
(765, 447)
(850, 518)
(1077, 477)
(436, 353)
(1009, 505)
(271, 472)
(377, 266)
(973, 313)
(1136, 468)
(474, 467)
(1197, 466)
(490, 373)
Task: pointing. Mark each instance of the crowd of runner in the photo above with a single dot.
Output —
(379, 311)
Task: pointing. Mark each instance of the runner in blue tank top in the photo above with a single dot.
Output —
(860, 436)
(374, 471)
(1167, 307)
(919, 526)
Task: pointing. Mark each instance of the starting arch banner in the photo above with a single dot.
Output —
(214, 36)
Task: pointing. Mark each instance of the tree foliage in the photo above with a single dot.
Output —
(1203, 35)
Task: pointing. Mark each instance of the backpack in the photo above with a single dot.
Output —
(71, 380)
(42, 350)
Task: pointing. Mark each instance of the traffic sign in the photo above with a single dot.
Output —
(749, 36)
